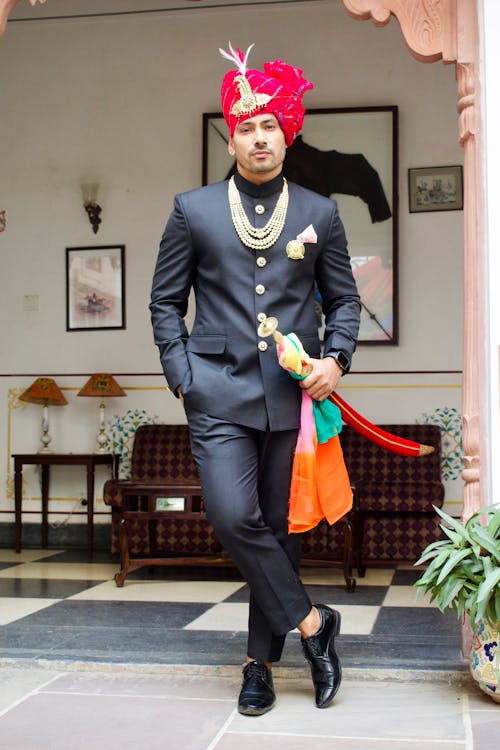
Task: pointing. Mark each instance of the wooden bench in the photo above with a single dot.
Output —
(163, 498)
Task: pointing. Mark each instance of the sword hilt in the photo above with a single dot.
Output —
(269, 327)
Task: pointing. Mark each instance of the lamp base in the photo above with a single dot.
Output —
(45, 440)
(101, 441)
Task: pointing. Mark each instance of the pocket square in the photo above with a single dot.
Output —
(308, 235)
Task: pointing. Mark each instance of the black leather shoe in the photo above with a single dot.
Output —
(319, 651)
(257, 692)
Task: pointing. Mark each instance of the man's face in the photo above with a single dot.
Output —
(258, 144)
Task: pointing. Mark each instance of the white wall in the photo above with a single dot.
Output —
(119, 101)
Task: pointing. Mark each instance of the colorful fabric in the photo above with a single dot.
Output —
(327, 419)
(320, 486)
(278, 90)
(295, 360)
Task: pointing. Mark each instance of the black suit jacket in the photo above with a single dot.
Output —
(219, 365)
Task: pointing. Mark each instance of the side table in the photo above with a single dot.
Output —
(45, 461)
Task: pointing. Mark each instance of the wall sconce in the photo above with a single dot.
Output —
(90, 204)
(101, 385)
(44, 391)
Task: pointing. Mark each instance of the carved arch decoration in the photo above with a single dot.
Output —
(5, 8)
(444, 30)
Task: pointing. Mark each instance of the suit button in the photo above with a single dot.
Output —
(261, 262)
(259, 209)
(261, 317)
(263, 346)
(260, 289)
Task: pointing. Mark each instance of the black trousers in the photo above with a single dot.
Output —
(245, 476)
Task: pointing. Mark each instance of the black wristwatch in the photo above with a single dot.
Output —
(341, 359)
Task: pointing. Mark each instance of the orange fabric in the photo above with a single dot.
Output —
(320, 486)
(334, 487)
(304, 509)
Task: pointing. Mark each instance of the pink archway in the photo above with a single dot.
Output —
(444, 30)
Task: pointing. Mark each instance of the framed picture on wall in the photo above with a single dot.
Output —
(435, 189)
(350, 155)
(95, 288)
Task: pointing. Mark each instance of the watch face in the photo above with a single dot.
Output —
(342, 360)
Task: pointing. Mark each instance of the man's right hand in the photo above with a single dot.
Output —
(180, 394)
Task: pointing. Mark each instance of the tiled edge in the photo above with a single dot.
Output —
(455, 677)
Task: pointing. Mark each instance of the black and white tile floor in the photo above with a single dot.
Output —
(57, 606)
(157, 664)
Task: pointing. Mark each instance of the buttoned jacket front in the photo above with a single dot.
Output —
(223, 367)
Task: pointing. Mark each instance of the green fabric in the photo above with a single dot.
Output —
(327, 417)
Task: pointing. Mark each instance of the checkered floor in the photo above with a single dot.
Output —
(55, 605)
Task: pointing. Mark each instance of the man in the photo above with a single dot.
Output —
(236, 244)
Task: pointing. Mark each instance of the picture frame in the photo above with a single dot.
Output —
(95, 288)
(435, 189)
(357, 148)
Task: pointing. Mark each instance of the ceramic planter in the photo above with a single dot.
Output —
(485, 659)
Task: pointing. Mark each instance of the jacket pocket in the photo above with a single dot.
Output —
(206, 343)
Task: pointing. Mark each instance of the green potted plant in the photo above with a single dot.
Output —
(463, 574)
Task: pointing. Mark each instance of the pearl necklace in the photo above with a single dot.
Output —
(257, 239)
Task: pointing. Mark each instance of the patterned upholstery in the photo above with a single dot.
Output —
(395, 494)
(399, 537)
(414, 497)
(161, 453)
(387, 481)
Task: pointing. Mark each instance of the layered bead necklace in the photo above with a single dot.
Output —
(257, 239)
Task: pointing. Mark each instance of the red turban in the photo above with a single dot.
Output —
(278, 90)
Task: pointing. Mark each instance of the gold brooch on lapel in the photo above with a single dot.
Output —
(295, 248)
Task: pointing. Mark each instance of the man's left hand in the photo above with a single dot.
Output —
(323, 379)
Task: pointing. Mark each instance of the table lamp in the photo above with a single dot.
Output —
(44, 391)
(103, 385)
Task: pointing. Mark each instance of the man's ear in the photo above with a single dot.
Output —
(230, 147)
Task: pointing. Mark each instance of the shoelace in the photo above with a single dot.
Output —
(256, 670)
(312, 647)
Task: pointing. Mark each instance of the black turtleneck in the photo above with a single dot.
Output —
(264, 190)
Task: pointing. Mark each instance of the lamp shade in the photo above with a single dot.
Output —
(101, 384)
(44, 391)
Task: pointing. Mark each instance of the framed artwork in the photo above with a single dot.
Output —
(350, 155)
(435, 189)
(95, 288)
